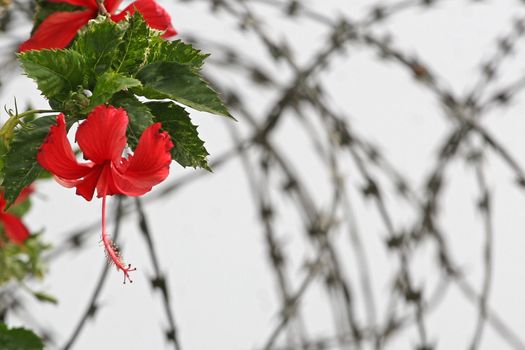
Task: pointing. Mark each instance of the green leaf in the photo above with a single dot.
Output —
(3, 152)
(45, 175)
(21, 166)
(56, 72)
(134, 48)
(19, 339)
(20, 209)
(96, 43)
(181, 83)
(176, 51)
(139, 115)
(188, 148)
(109, 84)
(18, 261)
(142, 45)
(44, 297)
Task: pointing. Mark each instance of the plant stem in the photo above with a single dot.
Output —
(7, 129)
(102, 8)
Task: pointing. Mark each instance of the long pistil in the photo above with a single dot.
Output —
(111, 250)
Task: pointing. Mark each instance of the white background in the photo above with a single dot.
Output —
(208, 235)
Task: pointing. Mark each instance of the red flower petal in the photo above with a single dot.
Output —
(106, 184)
(148, 166)
(102, 137)
(21, 197)
(155, 15)
(92, 4)
(15, 230)
(111, 5)
(25, 193)
(56, 155)
(57, 30)
(86, 186)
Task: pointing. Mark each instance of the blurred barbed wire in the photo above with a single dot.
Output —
(336, 143)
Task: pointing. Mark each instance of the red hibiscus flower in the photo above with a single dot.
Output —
(59, 28)
(14, 228)
(102, 139)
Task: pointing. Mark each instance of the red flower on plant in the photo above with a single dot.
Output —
(102, 139)
(59, 28)
(14, 228)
